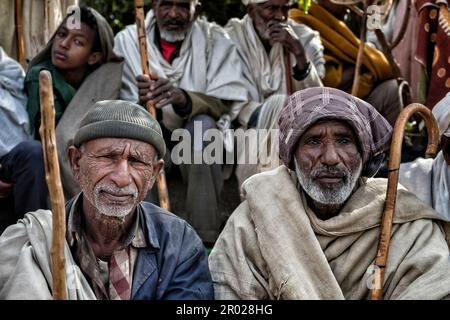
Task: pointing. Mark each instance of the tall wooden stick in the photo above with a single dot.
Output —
(360, 56)
(391, 193)
(288, 67)
(52, 175)
(19, 33)
(163, 193)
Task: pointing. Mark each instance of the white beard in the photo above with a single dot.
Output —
(172, 36)
(329, 195)
(113, 209)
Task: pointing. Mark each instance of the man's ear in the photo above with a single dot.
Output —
(157, 166)
(95, 58)
(74, 160)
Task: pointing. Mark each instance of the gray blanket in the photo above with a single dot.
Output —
(25, 272)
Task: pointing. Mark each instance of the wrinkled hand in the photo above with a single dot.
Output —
(160, 92)
(5, 188)
(282, 33)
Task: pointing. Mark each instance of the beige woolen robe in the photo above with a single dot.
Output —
(274, 247)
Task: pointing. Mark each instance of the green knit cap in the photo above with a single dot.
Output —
(120, 119)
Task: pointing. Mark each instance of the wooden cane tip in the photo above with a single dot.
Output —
(45, 76)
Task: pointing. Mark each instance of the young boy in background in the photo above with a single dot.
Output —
(84, 69)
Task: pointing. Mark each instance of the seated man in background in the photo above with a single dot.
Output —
(310, 228)
(117, 246)
(199, 82)
(22, 175)
(429, 179)
(264, 36)
(377, 84)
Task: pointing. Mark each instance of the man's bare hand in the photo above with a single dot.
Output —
(282, 33)
(160, 92)
(5, 188)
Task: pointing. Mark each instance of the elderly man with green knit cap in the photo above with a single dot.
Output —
(117, 246)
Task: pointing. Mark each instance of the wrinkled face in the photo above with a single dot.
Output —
(115, 174)
(328, 162)
(267, 13)
(174, 17)
(72, 48)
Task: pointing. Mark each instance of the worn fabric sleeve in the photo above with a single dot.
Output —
(236, 262)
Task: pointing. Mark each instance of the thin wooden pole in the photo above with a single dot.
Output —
(19, 33)
(52, 175)
(360, 56)
(163, 192)
(391, 193)
(288, 67)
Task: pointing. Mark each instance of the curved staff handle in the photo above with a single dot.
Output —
(53, 178)
(391, 193)
(163, 192)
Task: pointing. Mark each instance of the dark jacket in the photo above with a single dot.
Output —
(174, 265)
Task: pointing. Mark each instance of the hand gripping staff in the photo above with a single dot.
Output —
(163, 193)
(53, 178)
(391, 193)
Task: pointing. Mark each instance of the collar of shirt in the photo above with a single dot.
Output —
(83, 252)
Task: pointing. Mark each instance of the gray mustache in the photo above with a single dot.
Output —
(128, 190)
(335, 170)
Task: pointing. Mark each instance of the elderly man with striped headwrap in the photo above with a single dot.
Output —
(264, 36)
(309, 229)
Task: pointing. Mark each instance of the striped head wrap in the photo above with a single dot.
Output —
(308, 106)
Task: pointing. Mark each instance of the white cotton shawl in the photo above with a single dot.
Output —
(14, 122)
(268, 71)
(208, 63)
(429, 180)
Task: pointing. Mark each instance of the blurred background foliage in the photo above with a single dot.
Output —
(120, 13)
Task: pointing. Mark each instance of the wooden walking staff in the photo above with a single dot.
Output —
(360, 56)
(391, 193)
(288, 67)
(389, 47)
(163, 193)
(19, 33)
(52, 175)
